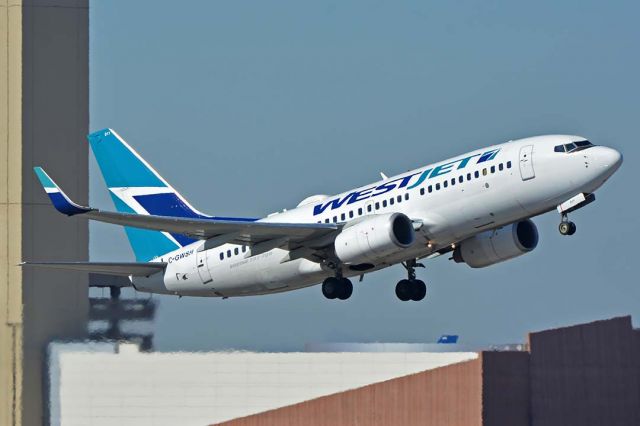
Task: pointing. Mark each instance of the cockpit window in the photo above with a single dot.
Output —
(573, 147)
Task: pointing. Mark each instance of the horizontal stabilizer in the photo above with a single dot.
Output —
(136, 269)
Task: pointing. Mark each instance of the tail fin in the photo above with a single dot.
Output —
(135, 187)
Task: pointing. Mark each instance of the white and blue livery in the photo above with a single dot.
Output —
(477, 206)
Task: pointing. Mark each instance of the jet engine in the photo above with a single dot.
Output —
(373, 238)
(498, 245)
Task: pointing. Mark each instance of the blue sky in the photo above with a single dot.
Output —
(247, 107)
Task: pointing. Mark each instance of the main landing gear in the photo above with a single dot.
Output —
(411, 288)
(566, 227)
(337, 288)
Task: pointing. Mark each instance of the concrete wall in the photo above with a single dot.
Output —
(586, 375)
(44, 88)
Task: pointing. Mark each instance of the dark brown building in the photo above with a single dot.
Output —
(582, 375)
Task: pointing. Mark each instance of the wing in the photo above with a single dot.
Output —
(216, 231)
(136, 269)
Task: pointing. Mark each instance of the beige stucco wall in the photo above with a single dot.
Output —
(43, 121)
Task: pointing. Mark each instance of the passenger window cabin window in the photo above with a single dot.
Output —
(335, 219)
(399, 198)
(406, 197)
(326, 220)
(377, 206)
(493, 169)
(228, 253)
(484, 172)
(360, 211)
(350, 214)
(236, 251)
(421, 191)
(446, 184)
(342, 216)
(437, 187)
(430, 189)
(461, 179)
(508, 164)
(501, 167)
(476, 174)
(384, 203)
(468, 176)
(244, 249)
(369, 208)
(221, 256)
(392, 201)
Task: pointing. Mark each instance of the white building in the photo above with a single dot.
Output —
(116, 384)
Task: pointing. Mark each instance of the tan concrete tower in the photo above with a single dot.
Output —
(44, 116)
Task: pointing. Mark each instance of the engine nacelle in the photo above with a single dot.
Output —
(498, 245)
(374, 237)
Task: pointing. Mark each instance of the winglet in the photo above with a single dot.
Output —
(59, 199)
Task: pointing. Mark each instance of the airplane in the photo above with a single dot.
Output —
(476, 206)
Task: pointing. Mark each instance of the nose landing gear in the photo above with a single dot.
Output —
(566, 227)
(411, 288)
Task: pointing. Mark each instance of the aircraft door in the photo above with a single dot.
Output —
(203, 267)
(526, 162)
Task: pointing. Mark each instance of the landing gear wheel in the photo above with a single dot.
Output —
(567, 228)
(404, 290)
(346, 289)
(418, 290)
(331, 288)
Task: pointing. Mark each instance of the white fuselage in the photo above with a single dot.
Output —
(453, 200)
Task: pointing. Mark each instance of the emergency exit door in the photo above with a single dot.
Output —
(526, 163)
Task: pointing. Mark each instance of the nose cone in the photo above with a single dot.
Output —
(609, 158)
(606, 160)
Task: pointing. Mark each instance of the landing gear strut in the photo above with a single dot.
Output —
(411, 288)
(566, 227)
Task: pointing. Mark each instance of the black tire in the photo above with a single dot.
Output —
(572, 228)
(331, 288)
(418, 290)
(346, 289)
(564, 228)
(403, 290)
